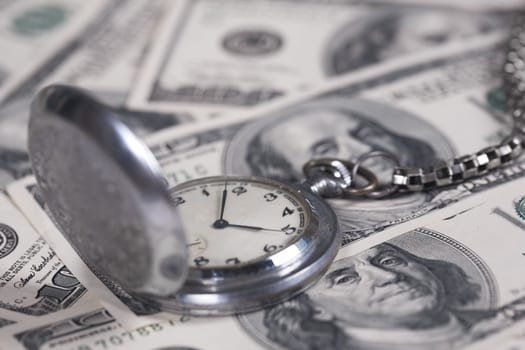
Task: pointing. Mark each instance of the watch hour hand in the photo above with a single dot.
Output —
(220, 222)
(223, 202)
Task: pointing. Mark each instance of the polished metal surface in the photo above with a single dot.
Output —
(106, 193)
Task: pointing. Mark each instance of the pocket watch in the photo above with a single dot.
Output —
(251, 242)
(211, 246)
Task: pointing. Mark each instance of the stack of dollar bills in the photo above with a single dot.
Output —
(208, 83)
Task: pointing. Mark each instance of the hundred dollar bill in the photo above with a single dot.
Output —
(33, 280)
(103, 60)
(107, 60)
(225, 57)
(411, 110)
(34, 33)
(129, 311)
(441, 286)
(42, 336)
(97, 329)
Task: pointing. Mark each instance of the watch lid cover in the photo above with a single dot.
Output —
(105, 192)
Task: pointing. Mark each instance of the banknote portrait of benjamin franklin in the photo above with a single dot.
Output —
(388, 297)
(388, 32)
(279, 146)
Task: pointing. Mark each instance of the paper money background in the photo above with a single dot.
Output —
(258, 88)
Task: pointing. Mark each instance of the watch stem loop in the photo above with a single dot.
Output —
(334, 178)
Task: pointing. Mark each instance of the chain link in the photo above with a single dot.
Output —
(459, 169)
(462, 168)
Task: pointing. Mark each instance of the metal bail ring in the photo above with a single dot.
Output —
(387, 190)
(342, 170)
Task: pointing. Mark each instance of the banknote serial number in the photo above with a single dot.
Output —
(226, 95)
(126, 338)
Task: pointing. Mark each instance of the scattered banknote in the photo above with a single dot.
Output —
(106, 63)
(442, 286)
(35, 33)
(97, 329)
(218, 58)
(46, 331)
(129, 311)
(101, 58)
(34, 283)
(437, 286)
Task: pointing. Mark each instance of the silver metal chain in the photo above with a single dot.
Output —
(514, 73)
(328, 177)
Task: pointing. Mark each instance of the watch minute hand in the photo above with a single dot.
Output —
(256, 228)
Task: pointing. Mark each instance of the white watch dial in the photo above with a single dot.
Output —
(230, 222)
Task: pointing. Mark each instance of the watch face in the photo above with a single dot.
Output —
(232, 221)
